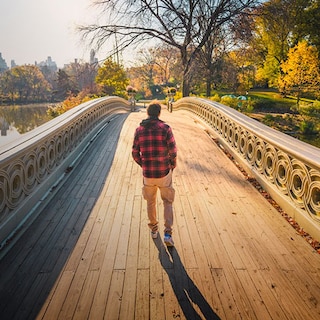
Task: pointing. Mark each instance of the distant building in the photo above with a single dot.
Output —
(3, 64)
(93, 59)
(48, 63)
(13, 64)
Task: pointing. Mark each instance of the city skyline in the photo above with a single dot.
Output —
(34, 30)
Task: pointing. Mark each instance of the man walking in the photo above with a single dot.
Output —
(154, 149)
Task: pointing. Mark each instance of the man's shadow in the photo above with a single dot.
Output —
(184, 288)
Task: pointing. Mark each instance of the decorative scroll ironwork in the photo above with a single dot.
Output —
(27, 164)
(292, 166)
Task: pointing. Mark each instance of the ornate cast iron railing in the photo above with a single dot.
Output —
(288, 169)
(31, 166)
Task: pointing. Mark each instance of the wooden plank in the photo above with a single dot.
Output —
(157, 307)
(106, 268)
(306, 291)
(182, 223)
(265, 292)
(204, 294)
(122, 250)
(83, 306)
(105, 220)
(144, 238)
(289, 301)
(256, 302)
(127, 310)
(142, 305)
(115, 296)
(226, 295)
(52, 307)
(172, 307)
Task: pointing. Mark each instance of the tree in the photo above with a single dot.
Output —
(154, 70)
(39, 88)
(165, 60)
(301, 70)
(177, 23)
(311, 23)
(25, 84)
(112, 78)
(277, 27)
(209, 60)
(65, 86)
(82, 74)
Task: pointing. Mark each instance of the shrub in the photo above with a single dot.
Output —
(308, 127)
(312, 110)
(268, 119)
(230, 101)
(55, 110)
(71, 102)
(216, 98)
(247, 105)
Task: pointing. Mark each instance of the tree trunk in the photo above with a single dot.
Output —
(208, 86)
(186, 72)
(185, 87)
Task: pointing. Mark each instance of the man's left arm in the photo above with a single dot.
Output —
(136, 150)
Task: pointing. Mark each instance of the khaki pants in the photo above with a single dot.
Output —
(149, 192)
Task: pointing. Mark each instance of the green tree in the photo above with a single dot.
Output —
(301, 71)
(112, 78)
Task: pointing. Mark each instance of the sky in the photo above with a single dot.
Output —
(32, 30)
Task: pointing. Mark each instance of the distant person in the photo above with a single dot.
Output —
(154, 149)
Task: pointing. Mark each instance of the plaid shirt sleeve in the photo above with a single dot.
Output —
(172, 149)
(136, 148)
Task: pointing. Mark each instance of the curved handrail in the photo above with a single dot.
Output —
(31, 165)
(286, 168)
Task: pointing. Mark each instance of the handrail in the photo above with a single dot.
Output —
(288, 169)
(31, 165)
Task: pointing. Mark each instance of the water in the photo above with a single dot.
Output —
(19, 119)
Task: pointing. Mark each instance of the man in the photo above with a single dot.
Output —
(154, 149)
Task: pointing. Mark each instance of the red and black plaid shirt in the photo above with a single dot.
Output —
(154, 148)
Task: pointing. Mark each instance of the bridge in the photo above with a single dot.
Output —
(73, 224)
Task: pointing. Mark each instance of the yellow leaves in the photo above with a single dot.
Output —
(112, 78)
(301, 69)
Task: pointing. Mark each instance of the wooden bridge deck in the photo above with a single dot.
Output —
(89, 255)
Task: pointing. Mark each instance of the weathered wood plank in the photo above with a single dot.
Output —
(115, 296)
(142, 306)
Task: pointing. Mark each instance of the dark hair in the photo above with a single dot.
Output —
(154, 109)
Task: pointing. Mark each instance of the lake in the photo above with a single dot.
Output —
(19, 119)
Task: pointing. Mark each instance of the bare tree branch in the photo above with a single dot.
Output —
(183, 24)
